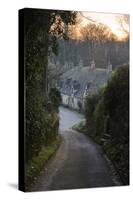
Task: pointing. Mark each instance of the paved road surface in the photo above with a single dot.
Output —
(78, 163)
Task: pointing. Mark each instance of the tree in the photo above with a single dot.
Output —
(97, 36)
(124, 23)
(41, 30)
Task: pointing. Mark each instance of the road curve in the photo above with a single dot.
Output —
(78, 163)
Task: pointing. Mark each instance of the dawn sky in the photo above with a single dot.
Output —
(112, 20)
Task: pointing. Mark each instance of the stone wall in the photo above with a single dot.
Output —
(72, 102)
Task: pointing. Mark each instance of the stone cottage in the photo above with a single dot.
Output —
(79, 82)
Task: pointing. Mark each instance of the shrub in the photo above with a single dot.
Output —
(55, 98)
(41, 125)
(35, 125)
(99, 118)
(90, 105)
(109, 109)
(79, 105)
(116, 101)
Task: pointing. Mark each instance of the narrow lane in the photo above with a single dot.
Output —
(78, 163)
(68, 118)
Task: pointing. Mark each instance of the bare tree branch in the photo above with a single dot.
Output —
(124, 23)
(87, 17)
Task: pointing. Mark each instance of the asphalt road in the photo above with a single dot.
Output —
(78, 163)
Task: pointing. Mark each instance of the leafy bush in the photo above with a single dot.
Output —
(55, 98)
(41, 126)
(79, 105)
(90, 105)
(35, 126)
(99, 118)
(116, 101)
(112, 104)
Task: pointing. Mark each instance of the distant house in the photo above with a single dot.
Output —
(79, 82)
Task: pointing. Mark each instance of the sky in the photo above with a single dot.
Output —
(112, 20)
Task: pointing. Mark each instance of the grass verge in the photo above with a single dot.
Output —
(80, 127)
(34, 166)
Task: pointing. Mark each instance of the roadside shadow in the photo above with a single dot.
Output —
(13, 185)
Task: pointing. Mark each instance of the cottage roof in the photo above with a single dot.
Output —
(82, 77)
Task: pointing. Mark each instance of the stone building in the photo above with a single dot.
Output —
(77, 83)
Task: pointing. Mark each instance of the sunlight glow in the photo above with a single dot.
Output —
(111, 20)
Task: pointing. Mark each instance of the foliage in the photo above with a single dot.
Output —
(41, 30)
(80, 126)
(36, 164)
(99, 118)
(35, 126)
(79, 105)
(55, 98)
(100, 46)
(90, 104)
(112, 104)
(116, 100)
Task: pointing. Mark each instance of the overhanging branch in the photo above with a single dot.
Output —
(87, 17)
